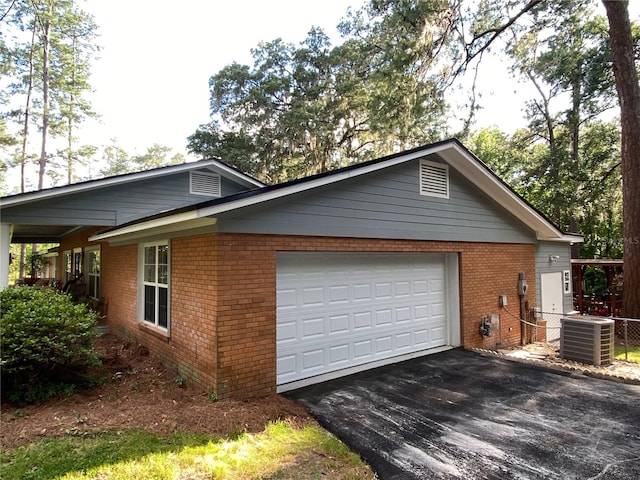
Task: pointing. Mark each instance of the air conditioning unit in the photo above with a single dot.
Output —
(587, 339)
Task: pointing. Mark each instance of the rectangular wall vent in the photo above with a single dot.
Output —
(434, 179)
(587, 340)
(203, 183)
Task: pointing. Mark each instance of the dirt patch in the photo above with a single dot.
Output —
(140, 393)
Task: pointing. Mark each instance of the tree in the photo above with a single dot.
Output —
(625, 71)
(48, 55)
(156, 156)
(119, 162)
(466, 32)
(626, 74)
(75, 55)
(570, 67)
(308, 109)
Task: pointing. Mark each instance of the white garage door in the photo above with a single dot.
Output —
(337, 310)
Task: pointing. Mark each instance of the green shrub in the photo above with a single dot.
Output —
(45, 344)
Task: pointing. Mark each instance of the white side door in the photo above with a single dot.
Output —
(552, 303)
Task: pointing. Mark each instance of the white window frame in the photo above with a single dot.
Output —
(77, 261)
(67, 265)
(89, 274)
(145, 283)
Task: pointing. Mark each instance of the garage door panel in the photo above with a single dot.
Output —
(362, 320)
(312, 328)
(287, 299)
(338, 294)
(362, 350)
(338, 354)
(312, 360)
(287, 365)
(384, 317)
(338, 324)
(357, 352)
(287, 332)
(336, 311)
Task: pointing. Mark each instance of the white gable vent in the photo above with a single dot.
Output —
(202, 183)
(434, 179)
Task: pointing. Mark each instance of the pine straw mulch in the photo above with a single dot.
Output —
(140, 393)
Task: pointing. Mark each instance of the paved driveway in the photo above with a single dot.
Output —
(458, 414)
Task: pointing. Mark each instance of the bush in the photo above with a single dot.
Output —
(45, 344)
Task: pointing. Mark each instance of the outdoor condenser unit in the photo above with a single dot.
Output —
(587, 339)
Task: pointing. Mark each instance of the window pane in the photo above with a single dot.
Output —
(150, 304)
(77, 261)
(163, 307)
(94, 262)
(150, 255)
(149, 273)
(163, 274)
(163, 254)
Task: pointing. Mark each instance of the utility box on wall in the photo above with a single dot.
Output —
(587, 339)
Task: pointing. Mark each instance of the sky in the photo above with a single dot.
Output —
(151, 80)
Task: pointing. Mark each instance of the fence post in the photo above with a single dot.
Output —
(626, 349)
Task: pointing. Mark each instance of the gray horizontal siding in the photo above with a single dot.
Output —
(113, 205)
(543, 251)
(386, 204)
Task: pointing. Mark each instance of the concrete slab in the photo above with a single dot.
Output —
(458, 414)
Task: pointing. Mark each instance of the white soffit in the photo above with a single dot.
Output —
(159, 226)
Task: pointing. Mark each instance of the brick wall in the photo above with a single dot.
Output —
(189, 350)
(246, 305)
(223, 299)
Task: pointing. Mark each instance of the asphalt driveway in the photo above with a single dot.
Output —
(458, 414)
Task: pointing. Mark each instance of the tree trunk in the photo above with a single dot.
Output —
(27, 114)
(628, 89)
(45, 102)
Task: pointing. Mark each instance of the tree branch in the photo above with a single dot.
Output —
(494, 34)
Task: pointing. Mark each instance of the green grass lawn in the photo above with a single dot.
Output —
(281, 451)
(633, 353)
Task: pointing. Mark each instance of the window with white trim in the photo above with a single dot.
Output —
(67, 265)
(77, 262)
(155, 283)
(434, 179)
(92, 256)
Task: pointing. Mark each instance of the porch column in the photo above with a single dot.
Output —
(5, 241)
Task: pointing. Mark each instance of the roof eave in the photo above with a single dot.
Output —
(24, 198)
(451, 151)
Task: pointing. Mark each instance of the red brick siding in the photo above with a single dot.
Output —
(223, 300)
(190, 348)
(193, 309)
(119, 286)
(246, 306)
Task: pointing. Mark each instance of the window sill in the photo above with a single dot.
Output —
(157, 332)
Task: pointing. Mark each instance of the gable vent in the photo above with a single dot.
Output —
(434, 179)
(202, 183)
